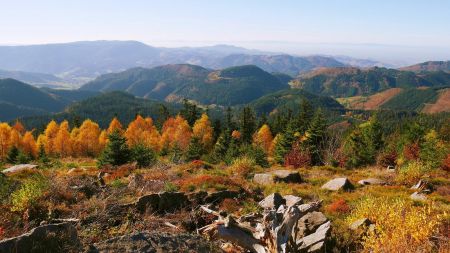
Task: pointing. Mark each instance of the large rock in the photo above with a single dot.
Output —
(162, 202)
(155, 242)
(372, 181)
(292, 200)
(337, 184)
(309, 223)
(277, 176)
(46, 238)
(273, 201)
(19, 168)
(316, 241)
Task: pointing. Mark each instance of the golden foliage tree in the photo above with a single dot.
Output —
(28, 144)
(5, 136)
(76, 147)
(63, 145)
(50, 137)
(264, 138)
(142, 131)
(114, 125)
(176, 132)
(19, 127)
(88, 138)
(203, 131)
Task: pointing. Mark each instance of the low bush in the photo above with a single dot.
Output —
(411, 172)
(339, 206)
(28, 193)
(243, 166)
(399, 224)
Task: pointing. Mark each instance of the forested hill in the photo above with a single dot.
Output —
(345, 82)
(230, 86)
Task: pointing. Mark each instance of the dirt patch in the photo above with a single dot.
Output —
(372, 102)
(442, 103)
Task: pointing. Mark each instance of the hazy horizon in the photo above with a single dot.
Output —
(396, 32)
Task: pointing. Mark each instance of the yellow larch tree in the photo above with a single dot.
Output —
(88, 138)
(76, 147)
(28, 144)
(5, 139)
(14, 138)
(19, 128)
(114, 125)
(103, 139)
(203, 131)
(176, 132)
(50, 137)
(63, 144)
(263, 138)
(142, 131)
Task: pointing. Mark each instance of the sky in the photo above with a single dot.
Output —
(402, 30)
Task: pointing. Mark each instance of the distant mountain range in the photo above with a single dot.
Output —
(429, 66)
(172, 83)
(36, 79)
(78, 62)
(347, 81)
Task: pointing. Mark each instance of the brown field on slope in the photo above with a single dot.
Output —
(372, 102)
(442, 103)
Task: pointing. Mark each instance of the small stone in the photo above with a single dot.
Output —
(286, 176)
(263, 178)
(418, 196)
(338, 184)
(372, 181)
(273, 201)
(364, 222)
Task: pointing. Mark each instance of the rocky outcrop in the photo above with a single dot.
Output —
(277, 176)
(161, 202)
(316, 241)
(292, 200)
(309, 223)
(155, 242)
(19, 168)
(337, 184)
(273, 201)
(60, 237)
(371, 181)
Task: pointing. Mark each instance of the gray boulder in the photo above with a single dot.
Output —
(46, 238)
(292, 200)
(277, 176)
(315, 242)
(337, 184)
(273, 201)
(19, 168)
(309, 223)
(372, 181)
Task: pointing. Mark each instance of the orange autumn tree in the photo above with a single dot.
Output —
(88, 139)
(63, 145)
(14, 138)
(5, 136)
(203, 131)
(50, 137)
(28, 144)
(114, 125)
(76, 147)
(103, 139)
(19, 127)
(263, 138)
(142, 131)
(176, 132)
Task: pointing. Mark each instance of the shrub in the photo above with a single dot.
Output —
(256, 153)
(399, 225)
(446, 163)
(12, 155)
(230, 205)
(412, 172)
(29, 192)
(243, 166)
(339, 206)
(297, 157)
(143, 155)
(387, 158)
(205, 182)
(170, 187)
(411, 151)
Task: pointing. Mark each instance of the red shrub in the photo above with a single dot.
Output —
(2, 232)
(387, 158)
(297, 157)
(229, 205)
(339, 206)
(446, 163)
(411, 151)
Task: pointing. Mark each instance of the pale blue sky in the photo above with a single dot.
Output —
(295, 26)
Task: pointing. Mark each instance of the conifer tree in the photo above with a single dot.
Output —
(284, 144)
(116, 151)
(247, 124)
(195, 149)
(315, 137)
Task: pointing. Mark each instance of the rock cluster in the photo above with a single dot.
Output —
(277, 176)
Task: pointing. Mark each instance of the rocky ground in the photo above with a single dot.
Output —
(71, 206)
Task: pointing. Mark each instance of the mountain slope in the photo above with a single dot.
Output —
(345, 82)
(236, 85)
(279, 63)
(36, 79)
(291, 99)
(429, 66)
